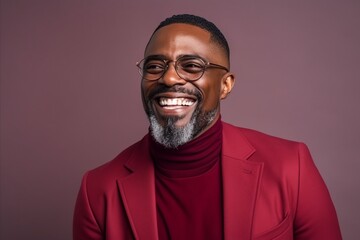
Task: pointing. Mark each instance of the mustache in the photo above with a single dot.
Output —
(179, 89)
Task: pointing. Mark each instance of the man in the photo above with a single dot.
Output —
(194, 176)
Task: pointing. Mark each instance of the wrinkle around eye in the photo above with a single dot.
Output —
(194, 68)
(154, 68)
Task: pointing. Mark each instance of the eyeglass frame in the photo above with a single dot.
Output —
(206, 65)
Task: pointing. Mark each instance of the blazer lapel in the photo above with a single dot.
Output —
(138, 194)
(241, 180)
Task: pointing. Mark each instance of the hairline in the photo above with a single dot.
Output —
(212, 38)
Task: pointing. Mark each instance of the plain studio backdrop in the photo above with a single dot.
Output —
(70, 93)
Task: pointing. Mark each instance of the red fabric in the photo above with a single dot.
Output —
(271, 190)
(188, 187)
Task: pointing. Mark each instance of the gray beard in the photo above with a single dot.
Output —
(171, 136)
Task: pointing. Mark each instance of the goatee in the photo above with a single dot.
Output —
(172, 136)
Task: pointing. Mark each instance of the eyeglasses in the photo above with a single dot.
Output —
(189, 68)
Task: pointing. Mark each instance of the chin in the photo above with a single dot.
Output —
(177, 120)
(174, 131)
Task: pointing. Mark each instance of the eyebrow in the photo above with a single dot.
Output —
(163, 57)
(156, 56)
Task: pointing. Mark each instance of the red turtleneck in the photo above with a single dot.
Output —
(188, 187)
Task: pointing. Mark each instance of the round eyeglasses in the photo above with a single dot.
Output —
(189, 68)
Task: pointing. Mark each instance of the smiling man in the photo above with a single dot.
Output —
(181, 84)
(193, 176)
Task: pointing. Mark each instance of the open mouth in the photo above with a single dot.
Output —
(178, 105)
(175, 102)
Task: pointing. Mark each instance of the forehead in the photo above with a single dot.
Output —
(181, 39)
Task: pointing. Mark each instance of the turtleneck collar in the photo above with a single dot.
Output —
(191, 159)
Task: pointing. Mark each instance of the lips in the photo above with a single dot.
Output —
(173, 102)
(176, 101)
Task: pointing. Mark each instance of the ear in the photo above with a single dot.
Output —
(227, 83)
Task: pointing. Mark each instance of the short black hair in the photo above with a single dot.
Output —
(216, 34)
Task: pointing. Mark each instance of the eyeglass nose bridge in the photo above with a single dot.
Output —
(175, 64)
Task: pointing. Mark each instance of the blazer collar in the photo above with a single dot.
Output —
(241, 179)
(138, 193)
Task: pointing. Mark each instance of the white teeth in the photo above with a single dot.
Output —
(175, 102)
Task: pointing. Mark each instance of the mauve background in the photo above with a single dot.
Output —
(70, 97)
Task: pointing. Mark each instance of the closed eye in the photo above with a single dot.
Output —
(192, 67)
(154, 67)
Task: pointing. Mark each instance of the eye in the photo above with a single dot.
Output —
(154, 66)
(191, 65)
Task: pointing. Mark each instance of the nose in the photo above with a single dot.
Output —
(170, 77)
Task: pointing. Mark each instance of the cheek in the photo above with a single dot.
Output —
(211, 93)
(145, 89)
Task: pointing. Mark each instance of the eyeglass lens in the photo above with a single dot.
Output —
(188, 68)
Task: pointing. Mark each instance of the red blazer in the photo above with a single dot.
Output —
(271, 190)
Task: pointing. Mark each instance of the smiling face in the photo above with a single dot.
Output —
(180, 110)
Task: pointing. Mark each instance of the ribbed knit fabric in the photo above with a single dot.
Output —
(188, 187)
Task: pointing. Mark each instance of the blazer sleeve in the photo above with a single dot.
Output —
(315, 214)
(85, 225)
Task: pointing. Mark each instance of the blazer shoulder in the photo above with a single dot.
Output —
(116, 168)
(260, 140)
(279, 155)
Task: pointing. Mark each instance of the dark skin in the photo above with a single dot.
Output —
(176, 40)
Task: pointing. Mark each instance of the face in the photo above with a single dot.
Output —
(179, 110)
